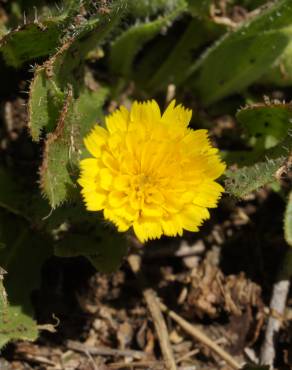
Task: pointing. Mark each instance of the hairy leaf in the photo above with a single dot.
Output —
(65, 67)
(177, 67)
(31, 41)
(63, 146)
(245, 180)
(135, 37)
(240, 57)
(268, 123)
(14, 324)
(146, 8)
(21, 255)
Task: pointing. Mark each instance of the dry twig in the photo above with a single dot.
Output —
(143, 364)
(277, 307)
(200, 336)
(160, 326)
(104, 351)
(158, 320)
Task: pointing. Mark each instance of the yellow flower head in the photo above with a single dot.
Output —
(150, 171)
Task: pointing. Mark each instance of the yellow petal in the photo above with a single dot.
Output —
(152, 210)
(89, 164)
(118, 121)
(109, 161)
(95, 201)
(171, 225)
(176, 115)
(145, 229)
(214, 168)
(192, 217)
(146, 114)
(120, 222)
(117, 199)
(95, 140)
(106, 178)
(208, 194)
(155, 197)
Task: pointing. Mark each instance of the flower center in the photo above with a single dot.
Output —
(140, 184)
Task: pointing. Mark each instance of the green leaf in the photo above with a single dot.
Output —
(89, 109)
(241, 57)
(268, 123)
(146, 8)
(280, 74)
(62, 147)
(133, 40)
(22, 257)
(14, 324)
(65, 67)
(177, 67)
(244, 180)
(45, 103)
(31, 41)
(103, 248)
(200, 8)
(60, 150)
(288, 221)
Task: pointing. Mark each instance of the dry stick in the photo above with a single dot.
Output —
(188, 355)
(200, 336)
(161, 329)
(154, 308)
(144, 364)
(277, 308)
(104, 351)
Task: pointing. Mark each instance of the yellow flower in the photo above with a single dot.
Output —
(150, 171)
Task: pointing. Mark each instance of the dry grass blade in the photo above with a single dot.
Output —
(200, 336)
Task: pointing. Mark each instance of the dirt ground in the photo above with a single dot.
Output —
(218, 280)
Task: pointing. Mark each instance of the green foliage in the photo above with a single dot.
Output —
(178, 65)
(21, 255)
(14, 324)
(60, 150)
(146, 8)
(65, 67)
(40, 37)
(245, 180)
(280, 73)
(62, 147)
(31, 41)
(135, 37)
(103, 248)
(44, 104)
(267, 123)
(242, 56)
(200, 7)
(61, 104)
